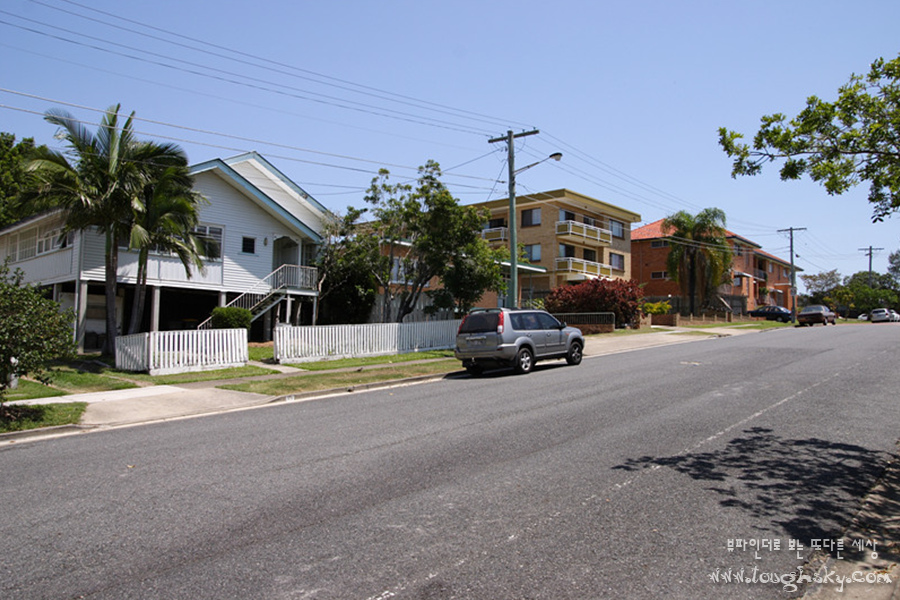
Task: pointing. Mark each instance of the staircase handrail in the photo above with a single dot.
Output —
(285, 276)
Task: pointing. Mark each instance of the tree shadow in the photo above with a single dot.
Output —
(812, 487)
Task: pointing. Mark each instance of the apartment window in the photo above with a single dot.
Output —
(211, 238)
(531, 217)
(659, 244)
(785, 272)
(248, 245)
(659, 275)
(617, 228)
(533, 252)
(496, 223)
(566, 251)
(590, 221)
(617, 261)
(590, 255)
(566, 215)
(738, 250)
(771, 268)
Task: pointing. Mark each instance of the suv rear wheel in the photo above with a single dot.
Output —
(524, 361)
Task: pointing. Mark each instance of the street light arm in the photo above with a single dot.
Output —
(555, 156)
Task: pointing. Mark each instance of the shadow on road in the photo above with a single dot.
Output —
(813, 485)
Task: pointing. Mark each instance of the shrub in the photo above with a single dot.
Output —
(656, 308)
(231, 317)
(619, 296)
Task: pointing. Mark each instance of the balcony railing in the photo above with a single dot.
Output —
(583, 232)
(578, 266)
(496, 234)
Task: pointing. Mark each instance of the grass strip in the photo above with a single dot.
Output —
(232, 373)
(23, 418)
(344, 379)
(365, 361)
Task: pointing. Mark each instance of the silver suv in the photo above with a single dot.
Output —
(514, 337)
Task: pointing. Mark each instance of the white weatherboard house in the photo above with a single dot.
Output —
(268, 230)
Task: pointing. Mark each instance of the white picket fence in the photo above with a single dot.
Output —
(299, 344)
(167, 352)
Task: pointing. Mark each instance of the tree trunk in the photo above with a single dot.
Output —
(140, 293)
(692, 281)
(112, 268)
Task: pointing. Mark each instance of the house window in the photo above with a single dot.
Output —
(566, 251)
(617, 261)
(617, 228)
(211, 238)
(659, 244)
(590, 255)
(248, 245)
(531, 217)
(533, 252)
(659, 275)
(23, 245)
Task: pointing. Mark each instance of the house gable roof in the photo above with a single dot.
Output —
(281, 207)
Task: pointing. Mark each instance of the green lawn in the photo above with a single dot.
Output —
(22, 418)
(344, 379)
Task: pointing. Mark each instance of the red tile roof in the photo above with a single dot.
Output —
(653, 231)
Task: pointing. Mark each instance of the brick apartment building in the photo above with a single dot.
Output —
(758, 278)
(568, 238)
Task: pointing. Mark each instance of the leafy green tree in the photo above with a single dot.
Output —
(838, 144)
(858, 296)
(33, 330)
(876, 281)
(473, 272)
(101, 187)
(894, 266)
(820, 285)
(416, 235)
(347, 286)
(164, 222)
(699, 255)
(13, 175)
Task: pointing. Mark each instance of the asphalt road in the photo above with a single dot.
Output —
(626, 477)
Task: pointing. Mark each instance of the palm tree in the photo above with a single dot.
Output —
(101, 186)
(165, 223)
(699, 256)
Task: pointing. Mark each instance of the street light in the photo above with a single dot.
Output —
(513, 291)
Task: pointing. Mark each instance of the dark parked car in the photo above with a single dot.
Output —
(772, 313)
(816, 313)
(492, 337)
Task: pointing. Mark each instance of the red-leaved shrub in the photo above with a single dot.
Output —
(619, 296)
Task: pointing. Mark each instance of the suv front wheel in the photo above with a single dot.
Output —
(574, 355)
(524, 361)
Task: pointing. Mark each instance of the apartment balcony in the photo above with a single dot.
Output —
(495, 234)
(582, 233)
(578, 269)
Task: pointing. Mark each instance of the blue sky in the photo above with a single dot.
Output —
(632, 94)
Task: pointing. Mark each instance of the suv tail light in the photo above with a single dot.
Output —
(461, 323)
(500, 322)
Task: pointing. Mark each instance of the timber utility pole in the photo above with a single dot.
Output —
(870, 251)
(512, 294)
(791, 230)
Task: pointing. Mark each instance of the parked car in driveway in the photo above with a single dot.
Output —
(513, 337)
(880, 315)
(816, 313)
(772, 313)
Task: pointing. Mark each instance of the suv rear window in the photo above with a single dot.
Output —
(480, 322)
